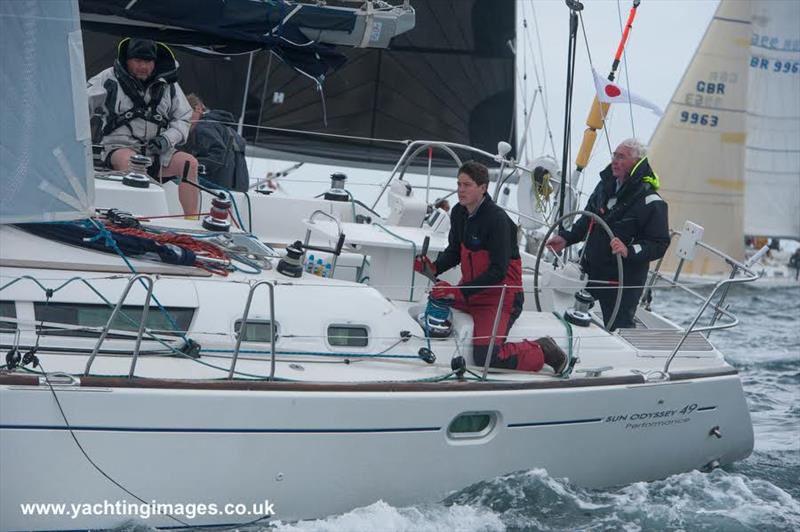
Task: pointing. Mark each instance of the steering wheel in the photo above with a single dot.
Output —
(539, 255)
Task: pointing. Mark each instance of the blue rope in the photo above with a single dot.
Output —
(310, 353)
(108, 240)
(438, 308)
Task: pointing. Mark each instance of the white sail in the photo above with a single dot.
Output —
(45, 147)
(772, 160)
(698, 146)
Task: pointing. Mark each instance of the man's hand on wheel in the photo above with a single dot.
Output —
(557, 244)
(619, 248)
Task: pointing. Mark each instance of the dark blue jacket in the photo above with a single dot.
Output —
(215, 144)
(636, 214)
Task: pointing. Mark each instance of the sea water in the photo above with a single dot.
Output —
(760, 493)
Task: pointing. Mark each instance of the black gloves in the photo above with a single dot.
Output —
(157, 145)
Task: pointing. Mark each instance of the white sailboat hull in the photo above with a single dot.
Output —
(317, 453)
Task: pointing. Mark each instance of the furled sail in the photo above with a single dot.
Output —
(698, 146)
(772, 160)
(450, 78)
(302, 35)
(45, 147)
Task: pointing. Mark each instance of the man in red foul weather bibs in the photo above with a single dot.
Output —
(483, 240)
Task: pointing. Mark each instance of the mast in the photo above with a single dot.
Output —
(574, 6)
(597, 113)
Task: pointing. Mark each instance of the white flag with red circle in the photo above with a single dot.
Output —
(610, 92)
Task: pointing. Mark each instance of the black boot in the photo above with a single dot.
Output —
(554, 356)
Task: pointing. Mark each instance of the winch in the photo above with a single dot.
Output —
(437, 318)
(218, 220)
(579, 313)
(137, 172)
(292, 264)
(337, 191)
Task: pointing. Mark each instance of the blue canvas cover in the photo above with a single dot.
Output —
(227, 26)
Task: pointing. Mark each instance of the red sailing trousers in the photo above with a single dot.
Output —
(524, 355)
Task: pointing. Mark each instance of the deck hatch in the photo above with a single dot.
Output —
(664, 340)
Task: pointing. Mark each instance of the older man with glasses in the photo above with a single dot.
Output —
(627, 200)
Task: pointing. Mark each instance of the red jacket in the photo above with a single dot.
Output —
(485, 245)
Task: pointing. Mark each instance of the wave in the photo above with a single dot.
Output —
(532, 500)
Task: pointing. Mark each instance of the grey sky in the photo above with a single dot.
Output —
(663, 40)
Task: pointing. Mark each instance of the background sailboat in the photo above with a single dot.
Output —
(727, 147)
(772, 150)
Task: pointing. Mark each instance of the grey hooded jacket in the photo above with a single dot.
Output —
(172, 106)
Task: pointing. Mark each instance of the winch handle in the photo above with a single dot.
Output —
(339, 245)
(336, 251)
(185, 179)
(425, 244)
(424, 252)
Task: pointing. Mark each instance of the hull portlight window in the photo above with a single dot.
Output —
(96, 316)
(348, 336)
(8, 313)
(472, 425)
(257, 331)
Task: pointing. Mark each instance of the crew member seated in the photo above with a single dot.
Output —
(217, 146)
(137, 106)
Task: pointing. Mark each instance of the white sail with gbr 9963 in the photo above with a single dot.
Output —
(45, 153)
(772, 151)
(698, 146)
(728, 147)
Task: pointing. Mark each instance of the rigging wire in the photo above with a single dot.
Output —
(112, 479)
(523, 88)
(591, 66)
(72, 432)
(625, 63)
(539, 82)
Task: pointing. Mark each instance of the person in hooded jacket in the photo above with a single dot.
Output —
(483, 240)
(216, 145)
(137, 106)
(794, 262)
(626, 199)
